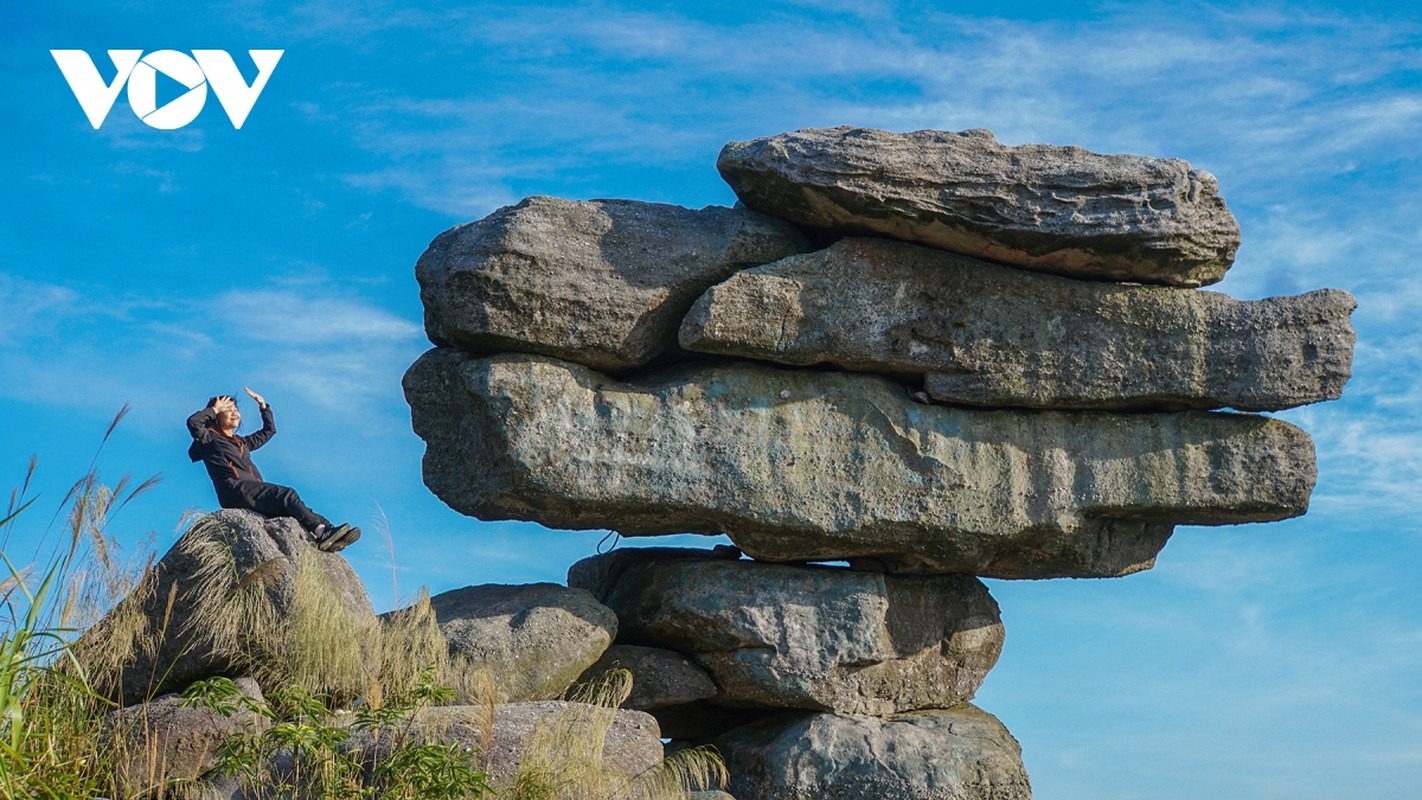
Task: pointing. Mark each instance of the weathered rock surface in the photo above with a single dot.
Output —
(818, 638)
(162, 741)
(631, 742)
(660, 677)
(1043, 207)
(238, 594)
(957, 754)
(798, 465)
(535, 639)
(600, 282)
(989, 335)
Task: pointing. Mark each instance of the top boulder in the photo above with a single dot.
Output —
(1043, 207)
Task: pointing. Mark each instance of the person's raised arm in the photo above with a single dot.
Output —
(200, 421)
(268, 430)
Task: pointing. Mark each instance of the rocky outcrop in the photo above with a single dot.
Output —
(819, 638)
(956, 754)
(797, 465)
(534, 639)
(989, 335)
(600, 282)
(238, 594)
(1053, 209)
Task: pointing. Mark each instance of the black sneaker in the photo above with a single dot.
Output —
(339, 539)
(327, 535)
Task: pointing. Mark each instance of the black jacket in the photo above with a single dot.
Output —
(228, 458)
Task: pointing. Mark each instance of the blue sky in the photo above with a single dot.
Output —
(159, 267)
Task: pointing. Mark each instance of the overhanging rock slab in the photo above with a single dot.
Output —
(800, 465)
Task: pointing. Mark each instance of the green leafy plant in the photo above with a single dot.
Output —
(306, 749)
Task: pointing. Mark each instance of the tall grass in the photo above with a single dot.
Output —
(281, 622)
(565, 759)
(51, 724)
(58, 735)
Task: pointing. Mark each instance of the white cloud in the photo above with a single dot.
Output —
(164, 179)
(353, 24)
(330, 347)
(1216, 86)
(127, 132)
(464, 192)
(26, 305)
(302, 320)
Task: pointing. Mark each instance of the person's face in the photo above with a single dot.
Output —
(229, 419)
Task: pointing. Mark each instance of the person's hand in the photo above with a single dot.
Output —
(261, 403)
(223, 403)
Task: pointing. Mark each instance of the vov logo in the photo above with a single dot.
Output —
(204, 68)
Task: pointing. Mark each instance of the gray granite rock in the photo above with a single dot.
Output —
(600, 282)
(818, 638)
(660, 677)
(535, 639)
(162, 742)
(799, 465)
(995, 336)
(238, 594)
(957, 754)
(601, 574)
(1054, 209)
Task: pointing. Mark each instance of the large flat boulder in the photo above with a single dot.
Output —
(1054, 209)
(535, 639)
(600, 282)
(818, 638)
(989, 335)
(957, 754)
(801, 465)
(238, 594)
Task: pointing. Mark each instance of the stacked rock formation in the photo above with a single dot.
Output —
(929, 355)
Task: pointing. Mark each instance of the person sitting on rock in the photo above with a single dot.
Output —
(228, 458)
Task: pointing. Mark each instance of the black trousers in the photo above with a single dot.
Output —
(269, 499)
